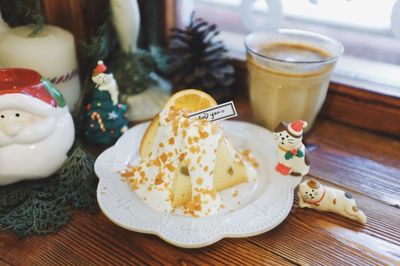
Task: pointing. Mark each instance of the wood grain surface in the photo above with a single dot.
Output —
(342, 156)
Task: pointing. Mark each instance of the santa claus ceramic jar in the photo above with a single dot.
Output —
(36, 128)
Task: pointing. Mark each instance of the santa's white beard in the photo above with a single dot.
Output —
(20, 161)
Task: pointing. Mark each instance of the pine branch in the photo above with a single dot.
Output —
(23, 12)
(100, 45)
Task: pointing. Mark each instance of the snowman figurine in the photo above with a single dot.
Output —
(36, 128)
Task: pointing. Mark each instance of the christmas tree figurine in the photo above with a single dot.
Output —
(106, 117)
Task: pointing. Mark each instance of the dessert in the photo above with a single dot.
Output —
(186, 161)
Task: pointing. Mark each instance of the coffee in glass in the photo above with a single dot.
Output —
(289, 74)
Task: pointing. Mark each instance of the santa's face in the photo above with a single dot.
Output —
(34, 138)
(19, 126)
(12, 122)
(102, 78)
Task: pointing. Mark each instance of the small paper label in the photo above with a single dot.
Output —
(216, 113)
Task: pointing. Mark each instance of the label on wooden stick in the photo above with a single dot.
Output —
(216, 113)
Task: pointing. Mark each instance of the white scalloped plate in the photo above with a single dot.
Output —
(259, 206)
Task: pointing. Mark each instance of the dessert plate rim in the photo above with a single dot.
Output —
(126, 210)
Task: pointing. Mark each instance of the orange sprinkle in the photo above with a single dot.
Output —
(205, 168)
(171, 141)
(185, 124)
(182, 156)
(194, 149)
(170, 167)
(196, 139)
(193, 205)
(163, 157)
(204, 122)
(127, 174)
(250, 158)
(157, 162)
(159, 179)
(203, 134)
(246, 152)
(199, 181)
(134, 184)
(161, 145)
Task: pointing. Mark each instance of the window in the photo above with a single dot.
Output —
(366, 29)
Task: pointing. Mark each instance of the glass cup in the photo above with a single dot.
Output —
(289, 74)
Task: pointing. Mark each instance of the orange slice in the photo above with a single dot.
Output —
(191, 100)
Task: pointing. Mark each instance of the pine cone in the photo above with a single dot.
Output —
(198, 61)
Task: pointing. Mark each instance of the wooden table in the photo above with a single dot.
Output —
(364, 163)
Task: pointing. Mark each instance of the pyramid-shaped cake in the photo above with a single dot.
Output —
(186, 161)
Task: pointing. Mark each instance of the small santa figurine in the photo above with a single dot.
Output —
(292, 152)
(36, 128)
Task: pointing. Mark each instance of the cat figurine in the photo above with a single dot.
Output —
(292, 158)
(105, 82)
(314, 195)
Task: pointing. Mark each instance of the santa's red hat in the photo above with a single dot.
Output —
(27, 90)
(296, 128)
(100, 68)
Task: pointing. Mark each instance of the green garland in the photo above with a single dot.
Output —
(42, 206)
(131, 70)
(294, 153)
(102, 43)
(23, 12)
